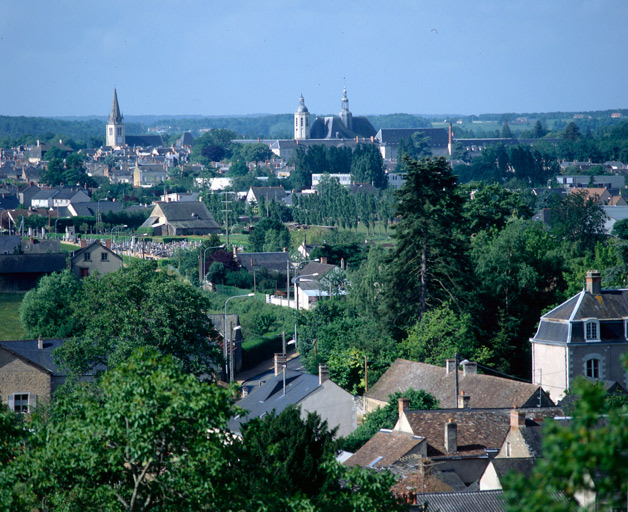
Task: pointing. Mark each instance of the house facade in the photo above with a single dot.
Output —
(94, 258)
(585, 336)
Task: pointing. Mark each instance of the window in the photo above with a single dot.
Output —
(110, 130)
(592, 330)
(119, 131)
(104, 256)
(87, 257)
(592, 368)
(19, 402)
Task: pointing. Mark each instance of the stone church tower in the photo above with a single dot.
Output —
(302, 121)
(345, 115)
(115, 125)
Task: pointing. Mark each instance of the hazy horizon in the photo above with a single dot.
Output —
(63, 59)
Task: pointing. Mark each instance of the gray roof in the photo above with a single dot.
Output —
(565, 323)
(504, 465)
(187, 139)
(91, 209)
(269, 260)
(27, 349)
(484, 390)
(32, 263)
(269, 193)
(186, 211)
(439, 137)
(477, 501)
(8, 243)
(270, 396)
(143, 140)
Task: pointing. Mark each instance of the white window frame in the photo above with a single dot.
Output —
(30, 398)
(626, 328)
(601, 366)
(593, 324)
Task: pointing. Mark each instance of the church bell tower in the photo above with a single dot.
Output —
(115, 125)
(345, 114)
(302, 121)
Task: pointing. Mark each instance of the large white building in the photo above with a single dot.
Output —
(115, 125)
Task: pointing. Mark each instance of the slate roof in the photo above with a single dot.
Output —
(264, 399)
(91, 209)
(185, 211)
(478, 430)
(363, 188)
(269, 260)
(564, 324)
(27, 349)
(269, 193)
(439, 137)
(486, 391)
(32, 263)
(187, 139)
(384, 449)
(504, 465)
(143, 140)
(477, 501)
(8, 243)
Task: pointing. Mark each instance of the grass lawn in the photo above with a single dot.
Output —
(10, 328)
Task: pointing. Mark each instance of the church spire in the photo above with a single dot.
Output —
(115, 116)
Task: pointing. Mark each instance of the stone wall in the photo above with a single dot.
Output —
(18, 376)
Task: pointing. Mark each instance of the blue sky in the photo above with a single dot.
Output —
(234, 57)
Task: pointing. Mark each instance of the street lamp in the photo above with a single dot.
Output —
(227, 336)
(98, 216)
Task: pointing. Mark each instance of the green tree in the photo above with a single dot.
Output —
(138, 306)
(583, 457)
(387, 416)
(427, 265)
(578, 218)
(47, 310)
(368, 166)
(506, 132)
(147, 437)
(572, 132)
(538, 130)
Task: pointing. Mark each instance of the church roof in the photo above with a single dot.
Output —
(115, 116)
(302, 107)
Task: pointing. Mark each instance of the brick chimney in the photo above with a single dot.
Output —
(404, 405)
(470, 368)
(464, 401)
(108, 243)
(324, 260)
(450, 364)
(323, 373)
(451, 437)
(83, 243)
(280, 362)
(517, 418)
(594, 282)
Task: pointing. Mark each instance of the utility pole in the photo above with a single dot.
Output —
(366, 375)
(288, 280)
(456, 387)
(226, 210)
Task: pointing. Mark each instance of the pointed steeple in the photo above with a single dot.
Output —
(115, 116)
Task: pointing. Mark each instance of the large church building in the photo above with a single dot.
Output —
(343, 126)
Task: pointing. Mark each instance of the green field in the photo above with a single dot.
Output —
(10, 328)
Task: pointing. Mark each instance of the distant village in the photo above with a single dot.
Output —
(232, 229)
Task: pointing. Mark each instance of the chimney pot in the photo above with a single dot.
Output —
(404, 405)
(470, 368)
(280, 362)
(594, 282)
(464, 401)
(517, 419)
(451, 437)
(323, 373)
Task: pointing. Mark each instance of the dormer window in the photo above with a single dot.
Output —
(592, 330)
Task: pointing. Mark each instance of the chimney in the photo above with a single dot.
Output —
(451, 437)
(517, 418)
(404, 405)
(324, 260)
(40, 343)
(464, 401)
(594, 282)
(451, 366)
(235, 250)
(280, 362)
(342, 263)
(323, 373)
(108, 243)
(469, 368)
(32, 241)
(83, 243)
